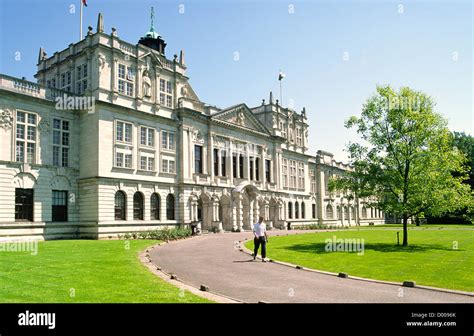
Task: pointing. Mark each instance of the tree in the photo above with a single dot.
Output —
(406, 161)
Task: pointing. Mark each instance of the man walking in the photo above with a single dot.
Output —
(260, 233)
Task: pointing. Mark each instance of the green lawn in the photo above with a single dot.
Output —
(429, 259)
(94, 271)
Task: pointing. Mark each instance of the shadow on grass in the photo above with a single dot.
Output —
(378, 247)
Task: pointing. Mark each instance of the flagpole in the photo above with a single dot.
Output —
(80, 29)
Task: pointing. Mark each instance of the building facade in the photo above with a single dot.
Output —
(113, 139)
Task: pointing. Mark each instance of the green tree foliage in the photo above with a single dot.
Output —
(405, 163)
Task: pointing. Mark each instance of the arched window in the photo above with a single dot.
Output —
(364, 212)
(346, 212)
(297, 210)
(329, 212)
(303, 211)
(338, 210)
(170, 207)
(353, 212)
(138, 205)
(155, 206)
(120, 205)
(290, 210)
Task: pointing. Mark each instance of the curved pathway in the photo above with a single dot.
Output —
(216, 261)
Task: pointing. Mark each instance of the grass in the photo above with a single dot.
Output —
(93, 271)
(430, 258)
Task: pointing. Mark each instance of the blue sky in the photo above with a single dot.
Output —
(334, 53)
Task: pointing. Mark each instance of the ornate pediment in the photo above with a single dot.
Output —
(240, 115)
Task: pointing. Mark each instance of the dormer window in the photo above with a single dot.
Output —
(125, 82)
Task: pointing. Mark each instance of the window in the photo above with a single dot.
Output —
(155, 206)
(66, 80)
(313, 210)
(234, 165)
(60, 142)
(346, 212)
(283, 129)
(268, 170)
(241, 166)
(198, 159)
(81, 79)
(51, 83)
(364, 212)
(147, 163)
(166, 93)
(147, 136)
(327, 176)
(251, 161)
(24, 204)
(297, 210)
(138, 206)
(312, 177)
(168, 166)
(299, 137)
(284, 171)
(301, 175)
(216, 161)
(353, 215)
(126, 79)
(25, 137)
(303, 210)
(290, 210)
(170, 207)
(257, 169)
(223, 163)
(338, 212)
(292, 174)
(329, 212)
(120, 205)
(123, 132)
(167, 142)
(59, 210)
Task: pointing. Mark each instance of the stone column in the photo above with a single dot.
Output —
(256, 211)
(251, 217)
(230, 161)
(240, 213)
(234, 215)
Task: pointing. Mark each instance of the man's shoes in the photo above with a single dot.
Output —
(263, 260)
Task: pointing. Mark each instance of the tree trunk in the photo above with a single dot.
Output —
(405, 230)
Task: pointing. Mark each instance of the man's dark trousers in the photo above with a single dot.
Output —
(257, 242)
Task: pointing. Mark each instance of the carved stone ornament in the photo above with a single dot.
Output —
(146, 84)
(101, 61)
(44, 125)
(184, 91)
(6, 118)
(197, 136)
(240, 119)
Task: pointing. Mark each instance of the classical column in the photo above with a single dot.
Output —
(230, 161)
(256, 209)
(211, 156)
(251, 212)
(234, 215)
(247, 169)
(241, 213)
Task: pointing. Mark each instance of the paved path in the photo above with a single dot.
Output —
(214, 261)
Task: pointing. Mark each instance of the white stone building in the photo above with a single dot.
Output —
(143, 152)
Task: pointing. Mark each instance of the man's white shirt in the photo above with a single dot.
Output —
(260, 229)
